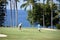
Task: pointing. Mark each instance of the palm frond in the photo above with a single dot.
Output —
(24, 5)
(18, 1)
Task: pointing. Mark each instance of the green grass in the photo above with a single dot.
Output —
(29, 34)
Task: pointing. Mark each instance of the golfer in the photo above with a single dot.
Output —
(20, 26)
(39, 27)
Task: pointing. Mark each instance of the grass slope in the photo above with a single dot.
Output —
(29, 34)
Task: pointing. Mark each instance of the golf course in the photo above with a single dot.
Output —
(29, 34)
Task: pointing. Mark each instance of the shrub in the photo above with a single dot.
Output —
(58, 26)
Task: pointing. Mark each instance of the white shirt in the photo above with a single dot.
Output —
(20, 25)
(38, 26)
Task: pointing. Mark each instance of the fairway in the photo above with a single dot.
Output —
(29, 34)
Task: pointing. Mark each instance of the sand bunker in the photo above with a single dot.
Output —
(2, 35)
(49, 29)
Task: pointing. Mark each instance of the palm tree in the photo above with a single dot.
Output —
(32, 2)
(51, 14)
(11, 13)
(16, 12)
(50, 2)
(43, 15)
(51, 6)
(29, 2)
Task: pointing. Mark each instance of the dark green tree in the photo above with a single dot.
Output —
(48, 15)
(39, 9)
(37, 16)
(2, 11)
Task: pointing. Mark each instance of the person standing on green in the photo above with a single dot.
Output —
(20, 26)
(39, 27)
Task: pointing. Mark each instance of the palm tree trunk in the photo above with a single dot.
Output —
(11, 13)
(43, 16)
(5, 7)
(16, 13)
(51, 14)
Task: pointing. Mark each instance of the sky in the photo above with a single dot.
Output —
(19, 4)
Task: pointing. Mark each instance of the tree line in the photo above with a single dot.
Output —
(45, 14)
